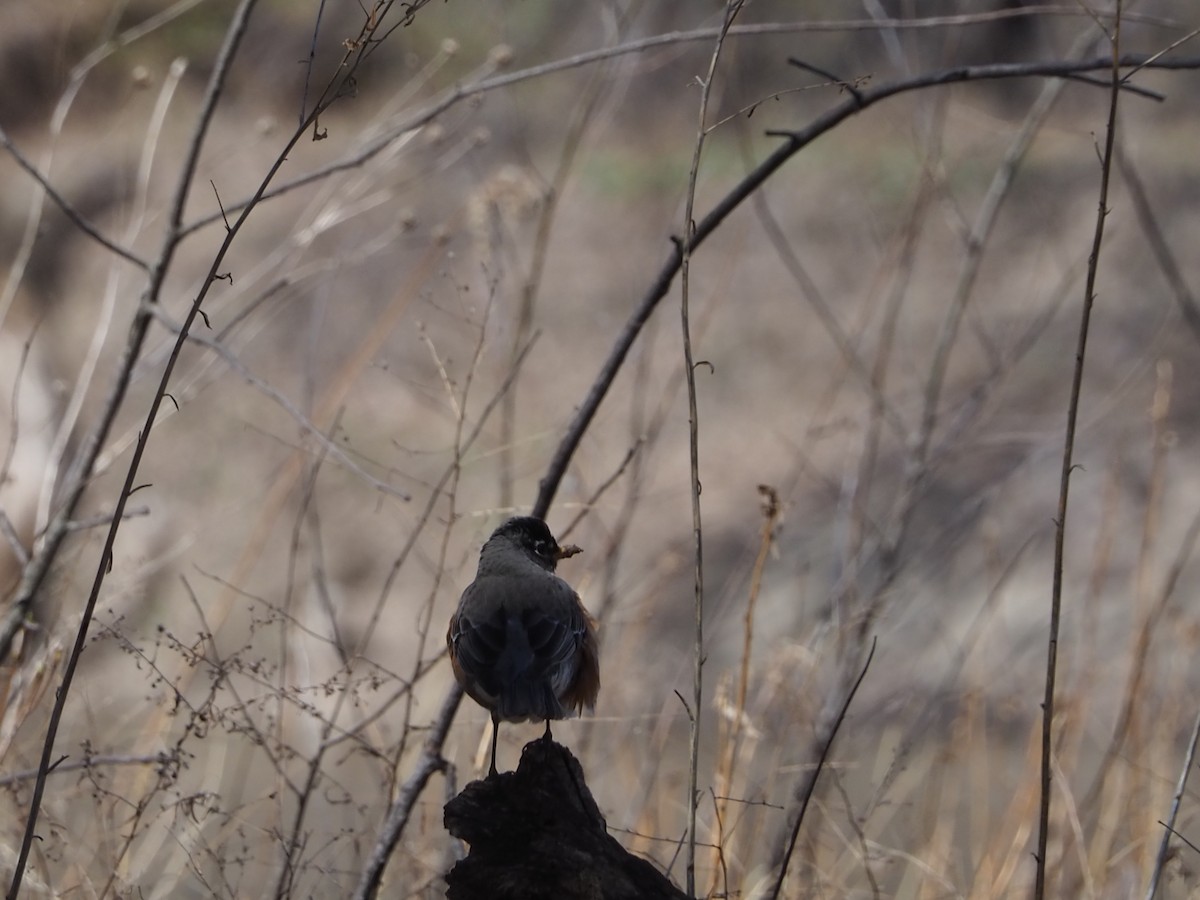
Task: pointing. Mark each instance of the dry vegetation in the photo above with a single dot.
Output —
(392, 351)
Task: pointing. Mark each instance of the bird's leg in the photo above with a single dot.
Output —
(547, 737)
(495, 735)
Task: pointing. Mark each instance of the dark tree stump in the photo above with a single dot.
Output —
(537, 834)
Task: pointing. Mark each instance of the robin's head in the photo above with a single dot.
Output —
(531, 536)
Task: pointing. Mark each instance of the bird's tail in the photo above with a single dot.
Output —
(529, 699)
(525, 691)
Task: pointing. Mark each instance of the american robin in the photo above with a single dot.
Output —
(522, 645)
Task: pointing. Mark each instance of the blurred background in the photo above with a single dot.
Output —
(397, 343)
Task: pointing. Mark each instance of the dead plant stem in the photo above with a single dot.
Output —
(1060, 531)
(804, 791)
(1189, 306)
(771, 511)
(732, 8)
(1169, 825)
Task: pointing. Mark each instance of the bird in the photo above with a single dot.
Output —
(521, 643)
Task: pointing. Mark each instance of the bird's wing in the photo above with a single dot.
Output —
(508, 629)
(555, 627)
(477, 637)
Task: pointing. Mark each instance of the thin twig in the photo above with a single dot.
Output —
(732, 8)
(810, 784)
(1178, 42)
(771, 511)
(1183, 838)
(14, 407)
(590, 503)
(327, 444)
(105, 519)
(69, 211)
(1189, 307)
(91, 762)
(312, 56)
(1169, 825)
(1060, 530)
(8, 531)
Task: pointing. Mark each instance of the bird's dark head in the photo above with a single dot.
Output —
(533, 537)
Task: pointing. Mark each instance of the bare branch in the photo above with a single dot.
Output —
(732, 8)
(9, 533)
(795, 141)
(804, 791)
(327, 444)
(1060, 526)
(91, 762)
(69, 211)
(1169, 826)
(483, 84)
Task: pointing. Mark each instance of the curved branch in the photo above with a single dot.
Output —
(74, 215)
(488, 81)
(794, 142)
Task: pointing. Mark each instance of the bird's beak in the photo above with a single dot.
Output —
(568, 551)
